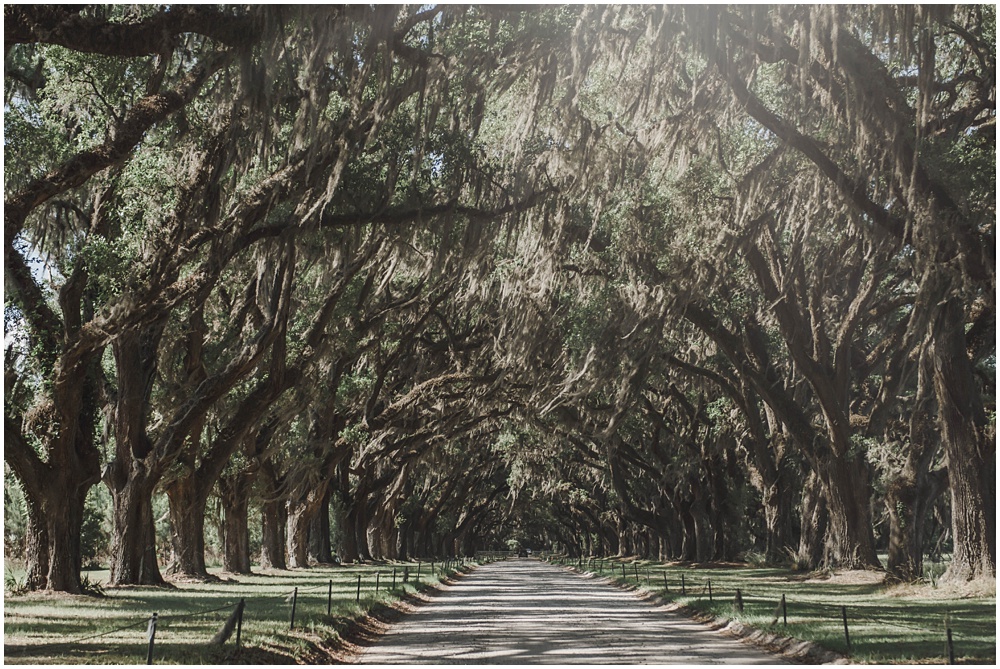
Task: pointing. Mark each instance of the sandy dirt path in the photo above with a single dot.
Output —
(529, 612)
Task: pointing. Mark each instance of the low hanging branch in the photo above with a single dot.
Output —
(117, 146)
(69, 27)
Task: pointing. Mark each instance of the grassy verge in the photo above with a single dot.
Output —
(41, 628)
(887, 624)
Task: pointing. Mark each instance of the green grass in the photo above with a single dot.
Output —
(43, 628)
(887, 624)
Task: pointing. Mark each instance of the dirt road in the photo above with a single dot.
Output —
(529, 612)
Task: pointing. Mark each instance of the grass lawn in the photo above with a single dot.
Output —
(899, 624)
(41, 628)
(887, 624)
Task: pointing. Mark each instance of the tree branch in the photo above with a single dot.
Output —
(118, 144)
(35, 24)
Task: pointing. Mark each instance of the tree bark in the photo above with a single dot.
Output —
(300, 518)
(133, 536)
(319, 533)
(911, 494)
(971, 454)
(55, 491)
(235, 494)
(374, 541)
(814, 522)
(624, 539)
(776, 488)
(135, 471)
(776, 498)
(297, 536)
(274, 517)
(36, 547)
(65, 519)
(361, 528)
(348, 519)
(849, 540)
(188, 499)
(704, 539)
(349, 552)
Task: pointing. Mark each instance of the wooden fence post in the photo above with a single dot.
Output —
(951, 647)
(709, 589)
(784, 609)
(666, 588)
(738, 602)
(295, 601)
(239, 622)
(847, 635)
(683, 587)
(151, 635)
(359, 588)
(235, 621)
(329, 598)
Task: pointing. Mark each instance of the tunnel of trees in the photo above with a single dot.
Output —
(288, 285)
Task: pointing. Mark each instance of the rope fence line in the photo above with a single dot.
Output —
(896, 623)
(194, 614)
(155, 621)
(170, 617)
(287, 595)
(741, 599)
(57, 644)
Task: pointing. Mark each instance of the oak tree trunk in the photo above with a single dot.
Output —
(188, 499)
(361, 529)
(135, 471)
(850, 539)
(777, 505)
(814, 522)
(405, 541)
(274, 517)
(272, 535)
(971, 454)
(133, 535)
(319, 533)
(349, 537)
(301, 513)
(36, 547)
(912, 493)
(64, 520)
(235, 494)
(909, 501)
(704, 539)
(689, 542)
(346, 518)
(297, 537)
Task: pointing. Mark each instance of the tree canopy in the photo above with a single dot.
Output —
(694, 282)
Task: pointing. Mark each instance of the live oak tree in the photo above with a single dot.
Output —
(426, 278)
(903, 126)
(820, 58)
(84, 124)
(145, 305)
